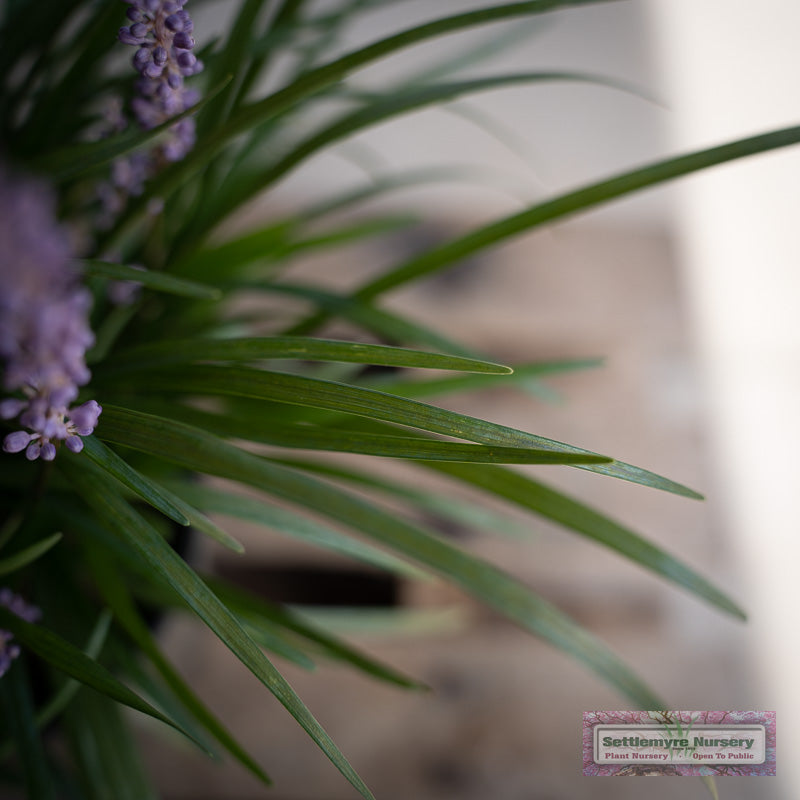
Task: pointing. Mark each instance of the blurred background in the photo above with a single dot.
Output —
(688, 293)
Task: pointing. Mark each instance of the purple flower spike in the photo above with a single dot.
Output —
(25, 611)
(44, 331)
(162, 32)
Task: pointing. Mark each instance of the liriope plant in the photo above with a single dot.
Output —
(129, 375)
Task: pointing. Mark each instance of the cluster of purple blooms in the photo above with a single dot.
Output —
(15, 604)
(162, 32)
(44, 330)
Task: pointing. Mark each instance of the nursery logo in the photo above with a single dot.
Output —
(635, 743)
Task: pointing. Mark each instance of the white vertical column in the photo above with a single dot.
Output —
(732, 68)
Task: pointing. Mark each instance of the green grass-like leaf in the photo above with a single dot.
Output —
(143, 539)
(304, 391)
(151, 493)
(246, 604)
(116, 594)
(196, 449)
(158, 281)
(298, 347)
(29, 554)
(558, 507)
(64, 656)
(296, 526)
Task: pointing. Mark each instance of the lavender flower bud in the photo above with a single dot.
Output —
(74, 443)
(163, 31)
(183, 41)
(16, 442)
(44, 331)
(84, 418)
(11, 408)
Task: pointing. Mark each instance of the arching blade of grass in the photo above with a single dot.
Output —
(116, 594)
(386, 324)
(198, 450)
(158, 281)
(560, 207)
(574, 202)
(173, 571)
(297, 347)
(297, 526)
(245, 184)
(558, 507)
(305, 437)
(246, 604)
(437, 387)
(300, 390)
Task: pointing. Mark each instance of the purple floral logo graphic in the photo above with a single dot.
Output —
(678, 743)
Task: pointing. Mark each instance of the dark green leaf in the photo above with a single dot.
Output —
(198, 450)
(108, 460)
(173, 571)
(159, 281)
(64, 656)
(298, 347)
(29, 554)
(16, 704)
(115, 592)
(246, 604)
(296, 526)
(300, 390)
(105, 751)
(560, 508)
(74, 159)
